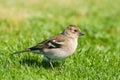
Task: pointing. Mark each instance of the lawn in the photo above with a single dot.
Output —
(24, 23)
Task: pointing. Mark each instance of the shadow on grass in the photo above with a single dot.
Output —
(37, 63)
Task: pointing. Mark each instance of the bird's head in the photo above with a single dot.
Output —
(72, 31)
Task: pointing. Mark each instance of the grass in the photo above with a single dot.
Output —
(23, 24)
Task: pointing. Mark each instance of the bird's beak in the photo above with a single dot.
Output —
(81, 34)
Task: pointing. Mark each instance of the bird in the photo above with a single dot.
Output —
(59, 46)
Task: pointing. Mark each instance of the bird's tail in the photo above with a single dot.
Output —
(31, 49)
(18, 52)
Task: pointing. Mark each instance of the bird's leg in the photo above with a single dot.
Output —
(51, 64)
(50, 61)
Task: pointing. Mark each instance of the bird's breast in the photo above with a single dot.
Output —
(72, 45)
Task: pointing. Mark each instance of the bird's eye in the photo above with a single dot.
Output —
(75, 30)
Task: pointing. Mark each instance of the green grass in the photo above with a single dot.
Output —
(24, 23)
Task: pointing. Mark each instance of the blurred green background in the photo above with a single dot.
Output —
(23, 23)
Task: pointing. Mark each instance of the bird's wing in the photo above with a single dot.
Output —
(54, 42)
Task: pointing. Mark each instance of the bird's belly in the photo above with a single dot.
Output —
(56, 54)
